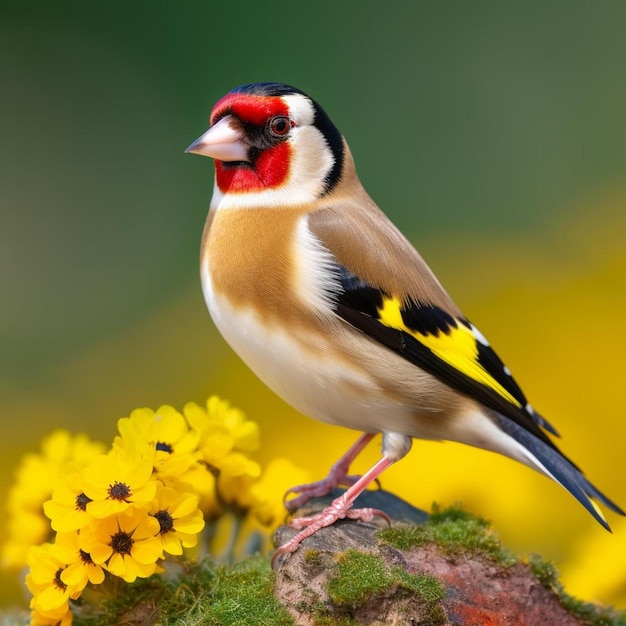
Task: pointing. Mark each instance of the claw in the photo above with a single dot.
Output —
(340, 508)
(309, 525)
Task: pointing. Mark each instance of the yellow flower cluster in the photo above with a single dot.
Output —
(122, 512)
(34, 480)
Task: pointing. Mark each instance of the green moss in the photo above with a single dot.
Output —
(589, 614)
(455, 531)
(454, 514)
(544, 571)
(203, 594)
(428, 588)
(363, 577)
(359, 576)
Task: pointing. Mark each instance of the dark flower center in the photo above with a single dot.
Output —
(85, 557)
(164, 447)
(122, 542)
(165, 521)
(57, 580)
(119, 491)
(82, 501)
(212, 469)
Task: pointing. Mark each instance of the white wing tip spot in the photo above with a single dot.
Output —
(479, 336)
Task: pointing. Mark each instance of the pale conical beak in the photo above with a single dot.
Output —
(223, 141)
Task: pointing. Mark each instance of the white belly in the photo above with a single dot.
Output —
(311, 378)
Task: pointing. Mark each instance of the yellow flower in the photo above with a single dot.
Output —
(225, 435)
(67, 509)
(166, 432)
(236, 476)
(180, 519)
(80, 568)
(53, 619)
(201, 481)
(126, 544)
(24, 529)
(243, 434)
(50, 593)
(116, 481)
(35, 478)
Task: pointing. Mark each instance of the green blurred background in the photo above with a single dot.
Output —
(493, 134)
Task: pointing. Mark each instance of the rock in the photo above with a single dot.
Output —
(349, 573)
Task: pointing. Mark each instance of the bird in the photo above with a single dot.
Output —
(331, 306)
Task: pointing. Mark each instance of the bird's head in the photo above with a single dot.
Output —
(271, 142)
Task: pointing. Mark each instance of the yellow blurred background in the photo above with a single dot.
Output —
(493, 136)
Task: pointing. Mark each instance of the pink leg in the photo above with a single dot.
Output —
(337, 476)
(340, 508)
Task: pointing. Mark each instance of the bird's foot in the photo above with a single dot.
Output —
(337, 477)
(340, 508)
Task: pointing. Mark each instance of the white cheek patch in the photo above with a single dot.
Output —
(312, 161)
(300, 109)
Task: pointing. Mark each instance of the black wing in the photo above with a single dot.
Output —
(449, 348)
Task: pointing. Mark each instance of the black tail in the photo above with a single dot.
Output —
(561, 470)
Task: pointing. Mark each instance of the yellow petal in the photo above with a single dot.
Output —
(146, 551)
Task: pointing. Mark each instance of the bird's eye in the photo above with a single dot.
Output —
(279, 126)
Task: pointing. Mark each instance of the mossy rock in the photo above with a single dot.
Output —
(450, 568)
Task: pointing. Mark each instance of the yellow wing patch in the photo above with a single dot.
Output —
(456, 346)
(390, 315)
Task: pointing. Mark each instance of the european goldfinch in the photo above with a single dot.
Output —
(332, 307)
